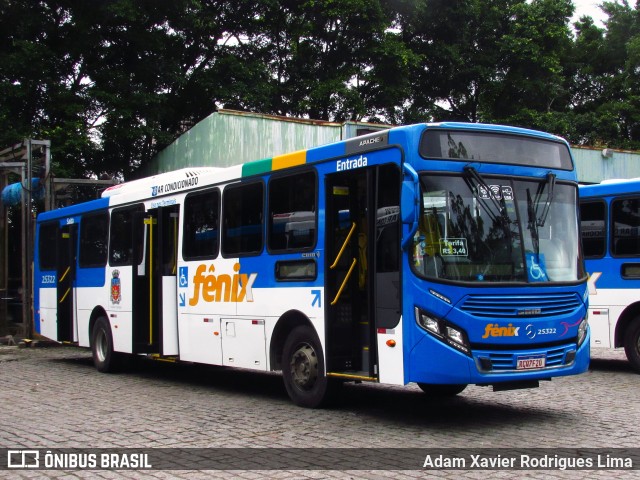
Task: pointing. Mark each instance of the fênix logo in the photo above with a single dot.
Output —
(221, 288)
(496, 330)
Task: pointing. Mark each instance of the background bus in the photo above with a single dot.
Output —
(442, 254)
(610, 221)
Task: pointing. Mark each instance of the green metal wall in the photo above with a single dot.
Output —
(227, 138)
(596, 164)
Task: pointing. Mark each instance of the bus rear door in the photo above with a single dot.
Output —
(155, 283)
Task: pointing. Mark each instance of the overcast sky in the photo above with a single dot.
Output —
(589, 7)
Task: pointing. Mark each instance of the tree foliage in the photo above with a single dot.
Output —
(111, 82)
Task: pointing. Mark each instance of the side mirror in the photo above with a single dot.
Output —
(410, 203)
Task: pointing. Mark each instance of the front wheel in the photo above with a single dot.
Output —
(442, 391)
(632, 344)
(303, 368)
(104, 358)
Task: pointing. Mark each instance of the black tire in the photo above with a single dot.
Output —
(442, 391)
(632, 344)
(104, 358)
(303, 369)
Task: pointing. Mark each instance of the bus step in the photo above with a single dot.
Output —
(159, 358)
(362, 376)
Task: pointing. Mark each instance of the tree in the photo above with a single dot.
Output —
(458, 44)
(113, 82)
(605, 109)
(531, 81)
(321, 56)
(44, 86)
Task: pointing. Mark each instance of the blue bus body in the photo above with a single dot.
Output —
(418, 254)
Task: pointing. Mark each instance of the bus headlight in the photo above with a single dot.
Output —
(455, 335)
(428, 322)
(582, 331)
(444, 331)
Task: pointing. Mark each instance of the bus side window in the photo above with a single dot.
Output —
(47, 246)
(201, 225)
(593, 228)
(292, 212)
(626, 225)
(94, 230)
(243, 223)
(121, 236)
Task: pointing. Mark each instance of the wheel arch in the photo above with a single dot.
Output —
(286, 323)
(95, 314)
(627, 317)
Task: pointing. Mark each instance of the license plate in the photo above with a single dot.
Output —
(528, 363)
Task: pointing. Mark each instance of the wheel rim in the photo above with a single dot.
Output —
(304, 367)
(101, 345)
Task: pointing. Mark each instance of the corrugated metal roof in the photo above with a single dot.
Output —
(229, 137)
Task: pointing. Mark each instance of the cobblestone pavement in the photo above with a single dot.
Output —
(54, 398)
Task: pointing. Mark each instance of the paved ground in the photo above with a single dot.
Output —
(54, 398)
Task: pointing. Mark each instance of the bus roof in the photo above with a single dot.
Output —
(610, 187)
(145, 184)
(183, 180)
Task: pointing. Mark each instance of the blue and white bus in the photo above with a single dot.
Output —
(442, 254)
(610, 219)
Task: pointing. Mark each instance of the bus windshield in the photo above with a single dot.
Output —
(496, 229)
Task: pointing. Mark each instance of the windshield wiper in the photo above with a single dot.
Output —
(532, 224)
(551, 182)
(473, 173)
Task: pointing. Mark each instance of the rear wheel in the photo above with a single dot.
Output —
(632, 344)
(441, 391)
(303, 368)
(104, 358)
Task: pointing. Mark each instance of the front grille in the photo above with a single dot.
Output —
(503, 361)
(520, 306)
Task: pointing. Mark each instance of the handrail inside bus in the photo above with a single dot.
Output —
(151, 222)
(344, 282)
(344, 245)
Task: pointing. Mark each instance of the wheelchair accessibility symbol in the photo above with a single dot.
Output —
(535, 271)
(183, 278)
(536, 268)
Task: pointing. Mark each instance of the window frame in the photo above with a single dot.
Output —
(83, 224)
(136, 208)
(229, 189)
(606, 226)
(269, 226)
(215, 191)
(52, 251)
(612, 229)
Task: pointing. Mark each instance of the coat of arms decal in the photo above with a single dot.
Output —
(116, 290)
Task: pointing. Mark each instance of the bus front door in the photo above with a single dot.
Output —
(155, 310)
(362, 270)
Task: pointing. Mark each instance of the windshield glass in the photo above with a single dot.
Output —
(490, 229)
